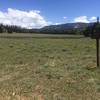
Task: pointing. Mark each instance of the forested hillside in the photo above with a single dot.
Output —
(69, 28)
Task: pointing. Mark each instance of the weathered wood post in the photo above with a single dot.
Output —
(97, 47)
(96, 35)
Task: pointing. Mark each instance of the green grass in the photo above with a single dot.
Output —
(48, 69)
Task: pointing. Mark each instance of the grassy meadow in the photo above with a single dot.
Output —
(48, 69)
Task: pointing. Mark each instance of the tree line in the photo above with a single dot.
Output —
(87, 31)
(92, 31)
(15, 29)
(18, 29)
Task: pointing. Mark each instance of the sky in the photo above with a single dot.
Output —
(39, 13)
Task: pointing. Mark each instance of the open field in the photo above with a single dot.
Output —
(31, 35)
(48, 69)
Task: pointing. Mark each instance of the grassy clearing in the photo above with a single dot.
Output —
(48, 69)
(36, 35)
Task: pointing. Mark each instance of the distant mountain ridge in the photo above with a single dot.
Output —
(69, 25)
(62, 28)
(69, 28)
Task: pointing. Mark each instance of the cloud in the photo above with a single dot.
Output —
(81, 19)
(93, 19)
(28, 19)
(64, 17)
(85, 19)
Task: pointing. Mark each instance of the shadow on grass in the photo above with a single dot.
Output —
(43, 37)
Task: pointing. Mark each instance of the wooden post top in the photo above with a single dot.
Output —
(96, 30)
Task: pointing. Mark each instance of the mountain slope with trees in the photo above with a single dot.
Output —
(69, 28)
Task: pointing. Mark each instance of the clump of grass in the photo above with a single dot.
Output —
(11, 46)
